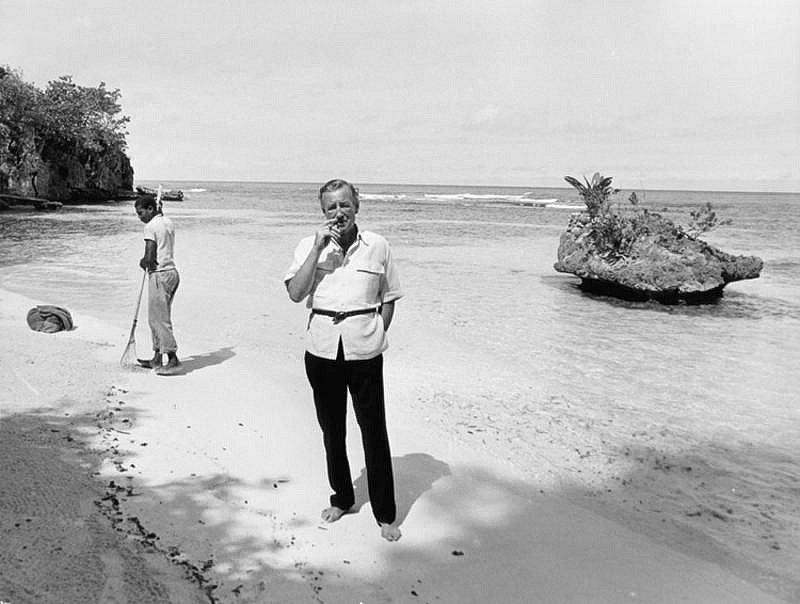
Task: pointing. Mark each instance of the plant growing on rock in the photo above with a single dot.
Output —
(703, 220)
(636, 254)
(595, 193)
(615, 231)
(612, 233)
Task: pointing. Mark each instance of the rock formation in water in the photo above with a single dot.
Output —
(642, 255)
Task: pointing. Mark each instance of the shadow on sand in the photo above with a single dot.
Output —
(61, 529)
(483, 543)
(414, 474)
(199, 361)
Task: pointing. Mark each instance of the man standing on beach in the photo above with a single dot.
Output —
(351, 284)
(163, 280)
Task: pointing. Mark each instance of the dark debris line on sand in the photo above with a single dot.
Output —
(57, 542)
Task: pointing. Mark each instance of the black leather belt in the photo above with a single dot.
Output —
(341, 315)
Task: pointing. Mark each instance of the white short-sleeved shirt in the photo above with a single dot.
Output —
(161, 230)
(364, 277)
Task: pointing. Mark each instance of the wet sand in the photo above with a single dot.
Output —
(64, 537)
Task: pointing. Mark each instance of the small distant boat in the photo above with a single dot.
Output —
(171, 195)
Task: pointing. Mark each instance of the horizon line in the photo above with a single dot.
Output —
(407, 184)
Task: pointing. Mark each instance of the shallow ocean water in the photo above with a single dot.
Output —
(478, 266)
(505, 342)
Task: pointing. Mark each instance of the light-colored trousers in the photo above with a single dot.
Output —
(161, 289)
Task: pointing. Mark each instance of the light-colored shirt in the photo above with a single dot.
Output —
(161, 230)
(364, 277)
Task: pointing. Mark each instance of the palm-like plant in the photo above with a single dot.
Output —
(595, 193)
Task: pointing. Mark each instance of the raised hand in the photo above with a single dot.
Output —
(327, 232)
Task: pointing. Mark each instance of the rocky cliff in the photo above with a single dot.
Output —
(72, 178)
(64, 143)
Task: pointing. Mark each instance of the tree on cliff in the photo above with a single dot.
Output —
(83, 120)
(39, 129)
(20, 105)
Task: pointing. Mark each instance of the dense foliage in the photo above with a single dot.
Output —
(37, 126)
(615, 231)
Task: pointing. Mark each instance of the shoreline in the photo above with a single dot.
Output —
(224, 467)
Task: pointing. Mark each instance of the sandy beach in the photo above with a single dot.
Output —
(554, 439)
(122, 486)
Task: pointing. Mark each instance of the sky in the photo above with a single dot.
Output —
(658, 94)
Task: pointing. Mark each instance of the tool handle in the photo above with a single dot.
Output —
(138, 302)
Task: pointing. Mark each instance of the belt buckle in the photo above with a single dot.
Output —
(339, 317)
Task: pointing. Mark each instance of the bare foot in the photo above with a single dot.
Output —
(332, 514)
(390, 532)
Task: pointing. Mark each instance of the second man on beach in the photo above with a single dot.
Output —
(163, 280)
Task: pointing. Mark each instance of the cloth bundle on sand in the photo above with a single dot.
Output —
(49, 318)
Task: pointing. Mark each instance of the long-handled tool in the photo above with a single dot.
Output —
(159, 203)
(128, 359)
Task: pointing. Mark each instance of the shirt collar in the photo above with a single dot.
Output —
(356, 242)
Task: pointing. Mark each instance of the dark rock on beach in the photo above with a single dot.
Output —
(664, 263)
(8, 202)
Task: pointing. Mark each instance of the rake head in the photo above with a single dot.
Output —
(128, 359)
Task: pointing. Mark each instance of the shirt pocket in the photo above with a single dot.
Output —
(369, 277)
(370, 269)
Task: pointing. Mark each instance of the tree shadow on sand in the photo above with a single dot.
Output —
(199, 361)
(62, 530)
(490, 535)
(414, 474)
(714, 501)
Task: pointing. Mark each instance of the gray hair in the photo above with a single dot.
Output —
(335, 185)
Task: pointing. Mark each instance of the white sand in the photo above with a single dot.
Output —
(226, 469)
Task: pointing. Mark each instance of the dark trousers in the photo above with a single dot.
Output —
(330, 381)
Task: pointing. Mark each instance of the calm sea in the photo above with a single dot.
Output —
(84, 241)
(711, 387)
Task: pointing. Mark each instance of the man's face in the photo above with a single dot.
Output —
(145, 213)
(339, 205)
